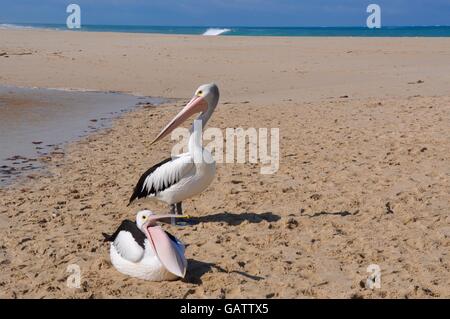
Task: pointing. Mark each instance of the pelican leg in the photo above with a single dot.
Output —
(173, 212)
(179, 209)
(184, 221)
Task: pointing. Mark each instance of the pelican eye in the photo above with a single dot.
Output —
(199, 92)
(144, 217)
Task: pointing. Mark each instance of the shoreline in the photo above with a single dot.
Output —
(241, 37)
(92, 90)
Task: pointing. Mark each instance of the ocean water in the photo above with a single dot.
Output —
(408, 31)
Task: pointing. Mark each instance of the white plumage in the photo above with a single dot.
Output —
(146, 267)
(186, 175)
(125, 246)
(144, 250)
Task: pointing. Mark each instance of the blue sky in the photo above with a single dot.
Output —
(229, 12)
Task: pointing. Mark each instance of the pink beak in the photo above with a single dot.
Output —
(169, 253)
(196, 105)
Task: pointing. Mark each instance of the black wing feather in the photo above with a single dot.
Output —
(138, 191)
(129, 226)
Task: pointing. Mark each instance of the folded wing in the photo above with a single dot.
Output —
(162, 176)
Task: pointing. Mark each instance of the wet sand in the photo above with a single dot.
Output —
(36, 123)
(364, 173)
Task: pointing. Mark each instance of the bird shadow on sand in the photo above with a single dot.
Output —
(196, 269)
(235, 219)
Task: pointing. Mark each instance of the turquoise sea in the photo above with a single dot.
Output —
(407, 31)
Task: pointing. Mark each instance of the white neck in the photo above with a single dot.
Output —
(195, 139)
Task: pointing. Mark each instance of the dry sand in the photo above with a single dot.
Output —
(364, 179)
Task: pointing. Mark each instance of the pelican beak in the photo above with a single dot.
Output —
(168, 252)
(164, 218)
(196, 105)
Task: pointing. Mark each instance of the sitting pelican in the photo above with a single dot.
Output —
(176, 179)
(144, 250)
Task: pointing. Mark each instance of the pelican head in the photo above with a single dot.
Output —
(143, 218)
(162, 245)
(204, 102)
(147, 218)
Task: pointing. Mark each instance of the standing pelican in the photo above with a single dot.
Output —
(176, 179)
(144, 250)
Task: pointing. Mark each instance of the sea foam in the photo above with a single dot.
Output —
(14, 26)
(215, 31)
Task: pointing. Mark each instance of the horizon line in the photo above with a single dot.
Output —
(224, 26)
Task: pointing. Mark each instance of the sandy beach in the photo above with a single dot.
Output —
(364, 175)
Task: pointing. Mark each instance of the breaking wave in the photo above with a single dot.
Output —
(14, 26)
(216, 31)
